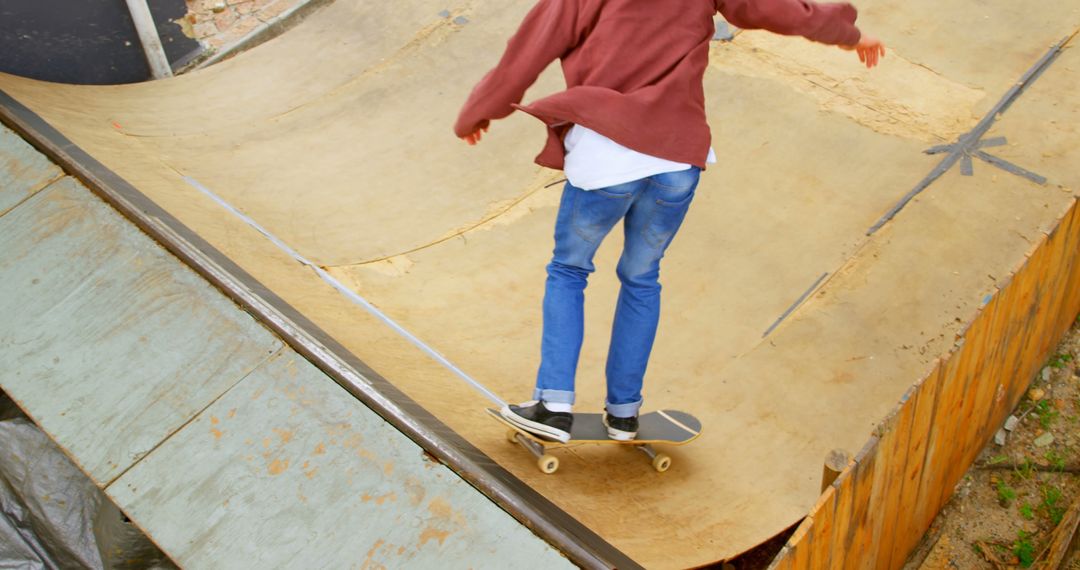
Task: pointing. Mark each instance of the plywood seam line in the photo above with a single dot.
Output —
(44, 186)
(460, 233)
(106, 484)
(969, 143)
(795, 305)
(353, 296)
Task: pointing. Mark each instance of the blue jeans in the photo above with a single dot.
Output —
(652, 209)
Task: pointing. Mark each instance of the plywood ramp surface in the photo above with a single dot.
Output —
(336, 138)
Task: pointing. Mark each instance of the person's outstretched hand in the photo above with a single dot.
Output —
(474, 137)
(869, 48)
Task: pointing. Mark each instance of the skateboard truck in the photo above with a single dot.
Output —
(660, 461)
(546, 462)
(549, 463)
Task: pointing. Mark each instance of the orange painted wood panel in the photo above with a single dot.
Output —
(884, 460)
(844, 485)
(907, 530)
(898, 442)
(950, 400)
(800, 544)
(783, 560)
(824, 514)
(858, 530)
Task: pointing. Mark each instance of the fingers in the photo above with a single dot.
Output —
(473, 138)
(877, 52)
(871, 55)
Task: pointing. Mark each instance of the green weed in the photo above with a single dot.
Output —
(1027, 510)
(1024, 549)
(1060, 360)
(1051, 504)
(1005, 493)
(1056, 460)
(1026, 469)
(1046, 414)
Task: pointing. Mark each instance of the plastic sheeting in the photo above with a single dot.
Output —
(52, 515)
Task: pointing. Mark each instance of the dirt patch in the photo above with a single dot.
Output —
(1007, 506)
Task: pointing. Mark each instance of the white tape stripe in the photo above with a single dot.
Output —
(677, 422)
(349, 293)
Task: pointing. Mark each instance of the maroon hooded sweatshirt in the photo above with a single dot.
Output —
(633, 68)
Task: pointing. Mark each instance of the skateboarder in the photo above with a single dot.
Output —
(630, 133)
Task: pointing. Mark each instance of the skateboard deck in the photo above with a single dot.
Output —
(668, 427)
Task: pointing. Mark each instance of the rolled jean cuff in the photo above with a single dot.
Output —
(623, 410)
(554, 396)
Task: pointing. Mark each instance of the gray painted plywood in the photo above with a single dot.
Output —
(287, 470)
(107, 341)
(23, 170)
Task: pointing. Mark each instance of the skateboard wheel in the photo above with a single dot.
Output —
(511, 436)
(662, 462)
(548, 463)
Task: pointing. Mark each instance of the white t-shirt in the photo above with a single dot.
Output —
(595, 161)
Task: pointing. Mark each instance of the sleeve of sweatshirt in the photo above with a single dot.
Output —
(548, 32)
(827, 23)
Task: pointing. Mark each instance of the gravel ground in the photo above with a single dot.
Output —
(1008, 504)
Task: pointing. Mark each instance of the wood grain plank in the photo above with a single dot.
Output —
(1072, 303)
(991, 395)
(1069, 260)
(802, 545)
(823, 513)
(905, 533)
(950, 403)
(890, 533)
(1020, 304)
(919, 473)
(842, 520)
(783, 560)
(108, 342)
(288, 470)
(859, 530)
(962, 425)
(870, 535)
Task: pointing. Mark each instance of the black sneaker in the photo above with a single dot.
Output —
(621, 429)
(534, 418)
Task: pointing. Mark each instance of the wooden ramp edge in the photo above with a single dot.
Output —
(877, 510)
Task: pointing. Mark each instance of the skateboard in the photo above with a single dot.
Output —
(669, 427)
